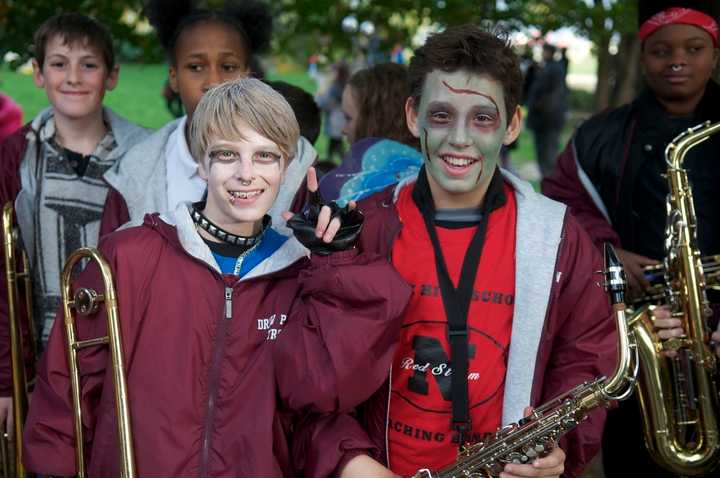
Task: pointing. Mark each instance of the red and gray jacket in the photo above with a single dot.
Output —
(17, 152)
(562, 334)
(219, 370)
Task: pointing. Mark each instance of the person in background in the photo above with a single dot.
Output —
(383, 150)
(612, 176)
(205, 47)
(53, 169)
(373, 105)
(330, 102)
(304, 106)
(547, 109)
(11, 116)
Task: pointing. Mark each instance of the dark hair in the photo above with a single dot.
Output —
(303, 105)
(75, 28)
(380, 92)
(342, 73)
(468, 47)
(251, 18)
(256, 68)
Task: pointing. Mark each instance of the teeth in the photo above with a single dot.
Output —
(460, 162)
(244, 194)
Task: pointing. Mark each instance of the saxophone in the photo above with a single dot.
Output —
(678, 396)
(535, 435)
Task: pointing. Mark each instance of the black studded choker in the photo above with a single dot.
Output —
(214, 230)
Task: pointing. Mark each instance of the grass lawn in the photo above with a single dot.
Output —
(138, 98)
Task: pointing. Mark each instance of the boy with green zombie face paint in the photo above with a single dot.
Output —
(505, 312)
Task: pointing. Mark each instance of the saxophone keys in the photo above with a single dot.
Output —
(517, 458)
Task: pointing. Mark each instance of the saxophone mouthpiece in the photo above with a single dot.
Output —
(615, 280)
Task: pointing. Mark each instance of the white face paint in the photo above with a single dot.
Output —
(462, 124)
(243, 178)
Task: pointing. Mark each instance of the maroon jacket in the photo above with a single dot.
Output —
(115, 212)
(212, 394)
(12, 151)
(577, 338)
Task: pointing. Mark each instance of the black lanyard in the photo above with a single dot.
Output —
(456, 301)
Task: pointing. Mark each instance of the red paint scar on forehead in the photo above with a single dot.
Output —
(461, 91)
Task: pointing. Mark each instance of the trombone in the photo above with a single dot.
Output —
(86, 302)
(19, 380)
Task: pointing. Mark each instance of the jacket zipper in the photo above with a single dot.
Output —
(387, 419)
(394, 237)
(213, 380)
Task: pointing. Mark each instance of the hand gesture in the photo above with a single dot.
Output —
(325, 227)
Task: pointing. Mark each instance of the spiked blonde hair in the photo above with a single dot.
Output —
(225, 107)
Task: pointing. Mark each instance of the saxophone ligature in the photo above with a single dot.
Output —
(86, 302)
(17, 278)
(535, 435)
(678, 395)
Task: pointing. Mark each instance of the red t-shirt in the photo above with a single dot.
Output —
(420, 433)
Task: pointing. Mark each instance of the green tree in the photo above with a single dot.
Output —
(20, 18)
(602, 22)
(304, 27)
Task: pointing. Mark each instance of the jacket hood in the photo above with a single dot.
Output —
(294, 178)
(141, 176)
(178, 228)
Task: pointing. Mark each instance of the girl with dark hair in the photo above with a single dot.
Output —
(374, 104)
(383, 151)
(205, 47)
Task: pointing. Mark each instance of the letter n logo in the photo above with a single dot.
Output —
(429, 350)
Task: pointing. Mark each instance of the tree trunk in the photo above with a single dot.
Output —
(602, 90)
(628, 69)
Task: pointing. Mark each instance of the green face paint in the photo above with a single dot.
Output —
(461, 120)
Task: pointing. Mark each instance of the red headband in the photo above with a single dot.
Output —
(676, 15)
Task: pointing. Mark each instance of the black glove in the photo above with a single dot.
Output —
(303, 226)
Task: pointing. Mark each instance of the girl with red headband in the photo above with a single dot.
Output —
(611, 175)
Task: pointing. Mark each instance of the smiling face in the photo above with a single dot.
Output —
(462, 124)
(206, 54)
(692, 52)
(74, 77)
(243, 178)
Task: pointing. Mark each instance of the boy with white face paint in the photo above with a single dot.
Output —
(233, 330)
(506, 312)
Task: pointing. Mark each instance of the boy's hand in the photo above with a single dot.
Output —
(325, 227)
(550, 466)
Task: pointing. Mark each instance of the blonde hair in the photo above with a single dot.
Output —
(250, 101)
